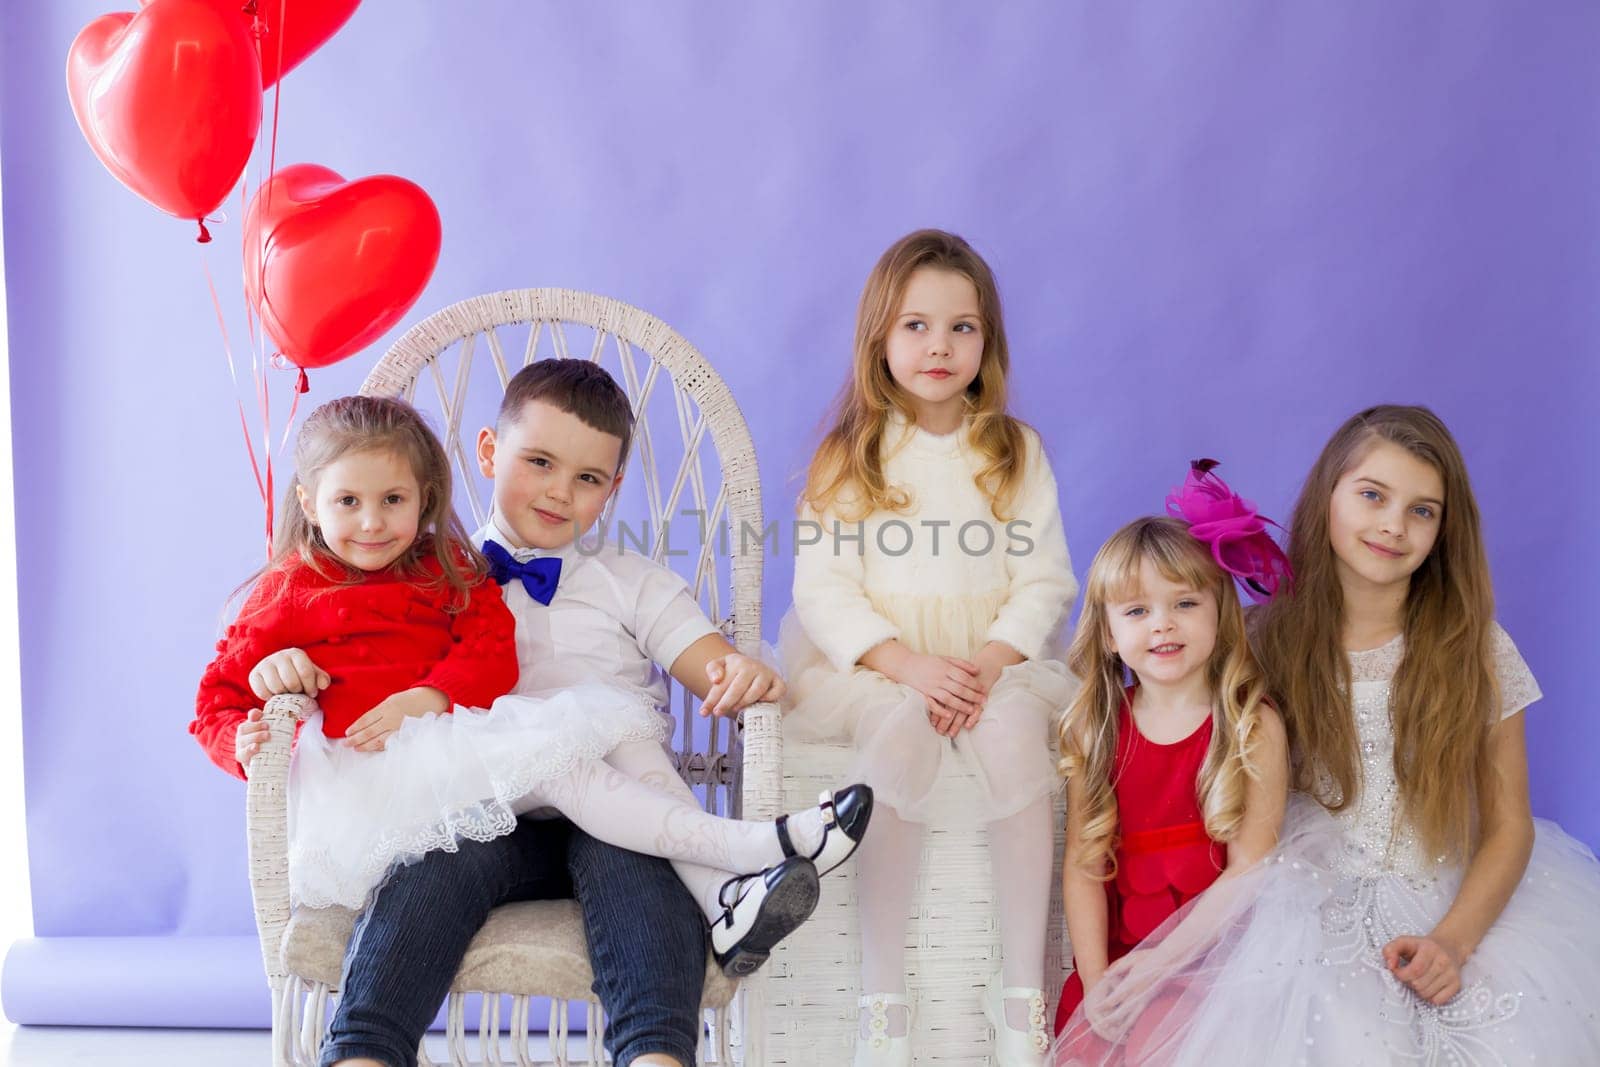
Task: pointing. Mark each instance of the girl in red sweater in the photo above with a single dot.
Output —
(376, 604)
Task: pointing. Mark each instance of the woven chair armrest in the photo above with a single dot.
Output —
(762, 768)
(267, 825)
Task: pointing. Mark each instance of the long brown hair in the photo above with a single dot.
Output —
(1445, 697)
(1088, 731)
(377, 424)
(846, 474)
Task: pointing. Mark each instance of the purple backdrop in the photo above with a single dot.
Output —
(1219, 230)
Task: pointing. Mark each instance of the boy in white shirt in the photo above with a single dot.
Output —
(590, 614)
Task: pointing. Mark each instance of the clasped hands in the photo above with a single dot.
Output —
(955, 689)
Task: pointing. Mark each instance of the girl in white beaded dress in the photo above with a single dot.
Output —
(1414, 910)
(927, 600)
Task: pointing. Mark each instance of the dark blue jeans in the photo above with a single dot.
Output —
(647, 941)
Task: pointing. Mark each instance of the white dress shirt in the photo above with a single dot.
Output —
(616, 618)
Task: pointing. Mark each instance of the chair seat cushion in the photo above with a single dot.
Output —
(530, 948)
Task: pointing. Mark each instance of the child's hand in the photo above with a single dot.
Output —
(1427, 966)
(949, 685)
(737, 681)
(289, 671)
(991, 660)
(989, 669)
(1115, 994)
(1101, 1010)
(371, 732)
(253, 733)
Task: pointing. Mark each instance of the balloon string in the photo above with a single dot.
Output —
(266, 447)
(262, 485)
(253, 309)
(250, 324)
(264, 186)
(277, 97)
(250, 309)
(259, 358)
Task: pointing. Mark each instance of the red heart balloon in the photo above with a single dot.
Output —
(292, 29)
(332, 264)
(170, 100)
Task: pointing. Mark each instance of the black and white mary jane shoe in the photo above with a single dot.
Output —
(845, 815)
(759, 910)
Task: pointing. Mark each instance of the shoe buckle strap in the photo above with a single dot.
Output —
(830, 818)
(736, 884)
(785, 842)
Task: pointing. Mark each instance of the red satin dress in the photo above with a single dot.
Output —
(1164, 858)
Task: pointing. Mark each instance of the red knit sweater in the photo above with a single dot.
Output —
(375, 638)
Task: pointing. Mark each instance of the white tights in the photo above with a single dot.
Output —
(650, 764)
(635, 799)
(1021, 852)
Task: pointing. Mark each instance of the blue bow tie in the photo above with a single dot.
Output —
(539, 576)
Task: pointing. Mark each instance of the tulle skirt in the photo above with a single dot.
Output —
(1283, 965)
(441, 779)
(897, 751)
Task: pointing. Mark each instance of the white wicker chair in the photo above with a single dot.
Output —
(537, 949)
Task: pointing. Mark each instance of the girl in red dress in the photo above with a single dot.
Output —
(1176, 765)
(375, 604)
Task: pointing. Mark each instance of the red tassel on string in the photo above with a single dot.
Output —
(302, 386)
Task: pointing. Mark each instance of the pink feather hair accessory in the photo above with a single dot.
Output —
(1232, 528)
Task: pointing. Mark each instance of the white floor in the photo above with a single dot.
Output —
(64, 1046)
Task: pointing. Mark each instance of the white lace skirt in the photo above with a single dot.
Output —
(440, 780)
(1284, 965)
(898, 752)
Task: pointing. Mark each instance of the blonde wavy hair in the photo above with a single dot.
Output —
(846, 474)
(1088, 729)
(1445, 698)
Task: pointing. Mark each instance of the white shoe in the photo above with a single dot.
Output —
(1016, 1048)
(759, 910)
(879, 1049)
(845, 815)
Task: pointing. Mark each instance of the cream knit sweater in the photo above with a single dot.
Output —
(944, 577)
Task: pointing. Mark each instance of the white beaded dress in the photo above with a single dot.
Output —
(1284, 964)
